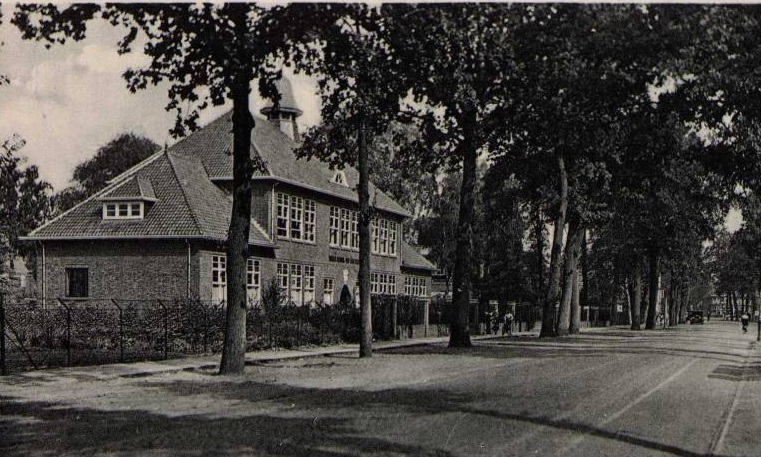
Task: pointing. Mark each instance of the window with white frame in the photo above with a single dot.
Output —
(383, 283)
(219, 279)
(335, 225)
(123, 210)
(392, 227)
(415, 286)
(282, 215)
(328, 286)
(282, 278)
(354, 242)
(384, 236)
(310, 216)
(345, 227)
(296, 218)
(297, 282)
(296, 285)
(308, 284)
(375, 246)
(253, 281)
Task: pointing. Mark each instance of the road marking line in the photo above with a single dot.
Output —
(626, 408)
(715, 449)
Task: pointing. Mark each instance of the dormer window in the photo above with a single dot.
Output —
(123, 210)
(340, 178)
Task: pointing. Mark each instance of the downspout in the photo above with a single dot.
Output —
(43, 274)
(187, 242)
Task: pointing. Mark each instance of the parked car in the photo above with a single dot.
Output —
(695, 317)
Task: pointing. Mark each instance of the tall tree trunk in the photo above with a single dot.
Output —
(539, 233)
(234, 346)
(575, 306)
(636, 293)
(570, 270)
(459, 328)
(549, 310)
(366, 332)
(653, 274)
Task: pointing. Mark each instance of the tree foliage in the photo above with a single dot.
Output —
(110, 160)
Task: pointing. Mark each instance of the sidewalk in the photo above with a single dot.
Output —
(211, 362)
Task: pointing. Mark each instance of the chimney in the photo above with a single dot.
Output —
(285, 113)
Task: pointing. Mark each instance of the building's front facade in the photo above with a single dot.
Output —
(158, 230)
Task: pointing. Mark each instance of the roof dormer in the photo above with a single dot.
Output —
(340, 178)
(129, 200)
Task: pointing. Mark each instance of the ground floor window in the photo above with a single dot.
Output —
(219, 279)
(77, 285)
(328, 285)
(296, 282)
(383, 283)
(415, 286)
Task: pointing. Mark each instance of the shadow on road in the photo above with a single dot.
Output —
(36, 428)
(739, 372)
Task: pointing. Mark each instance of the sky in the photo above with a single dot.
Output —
(69, 100)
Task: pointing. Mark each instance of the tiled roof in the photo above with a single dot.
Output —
(188, 206)
(137, 187)
(181, 199)
(213, 145)
(411, 258)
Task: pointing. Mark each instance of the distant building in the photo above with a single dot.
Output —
(158, 230)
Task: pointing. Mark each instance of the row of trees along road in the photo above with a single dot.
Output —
(627, 128)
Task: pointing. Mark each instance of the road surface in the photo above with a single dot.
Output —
(690, 391)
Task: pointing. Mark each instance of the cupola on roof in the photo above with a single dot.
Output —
(287, 102)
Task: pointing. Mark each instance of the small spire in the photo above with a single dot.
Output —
(285, 113)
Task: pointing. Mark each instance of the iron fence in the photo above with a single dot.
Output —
(94, 331)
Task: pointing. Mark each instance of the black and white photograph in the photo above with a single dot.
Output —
(380, 229)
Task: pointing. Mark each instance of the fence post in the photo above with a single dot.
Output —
(121, 330)
(166, 329)
(3, 367)
(68, 331)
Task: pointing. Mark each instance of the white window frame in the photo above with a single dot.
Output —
(296, 227)
(123, 210)
(310, 218)
(283, 212)
(328, 291)
(219, 278)
(296, 284)
(296, 218)
(253, 280)
(335, 225)
(309, 284)
(354, 231)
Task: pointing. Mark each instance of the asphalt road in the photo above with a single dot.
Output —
(690, 391)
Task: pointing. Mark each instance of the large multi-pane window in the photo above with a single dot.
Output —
(296, 282)
(310, 217)
(219, 279)
(328, 286)
(308, 283)
(253, 281)
(354, 242)
(344, 232)
(383, 283)
(296, 218)
(335, 225)
(384, 236)
(415, 286)
(345, 227)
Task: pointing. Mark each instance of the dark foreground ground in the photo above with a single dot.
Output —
(691, 391)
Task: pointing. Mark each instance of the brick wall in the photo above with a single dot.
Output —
(121, 269)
